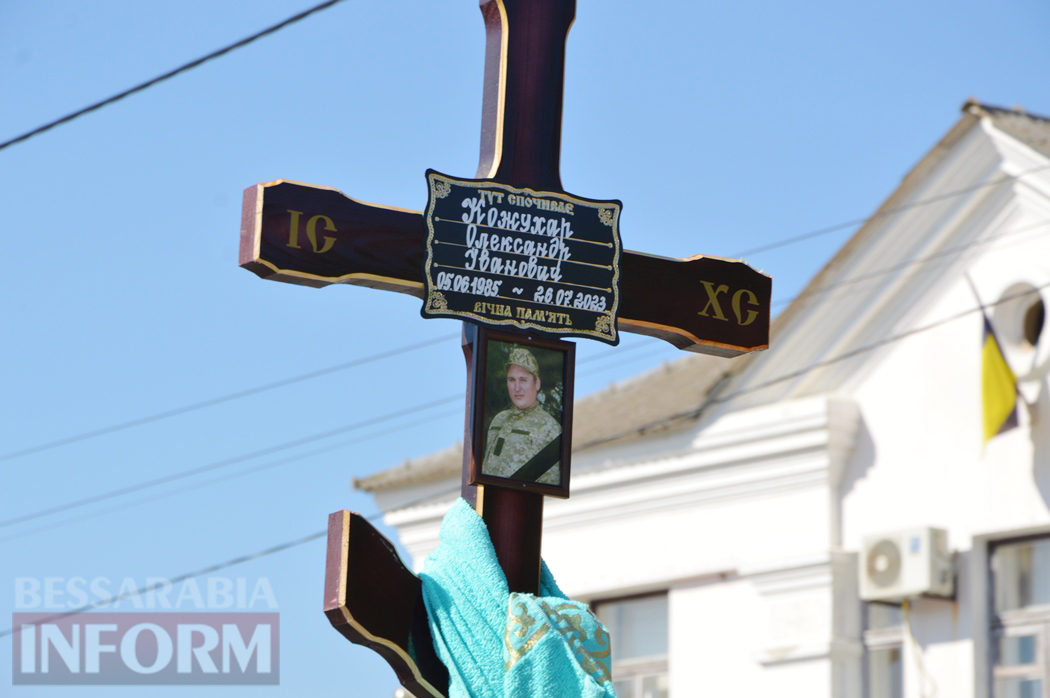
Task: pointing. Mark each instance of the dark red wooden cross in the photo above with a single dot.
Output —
(317, 236)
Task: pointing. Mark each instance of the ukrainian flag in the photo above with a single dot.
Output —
(998, 387)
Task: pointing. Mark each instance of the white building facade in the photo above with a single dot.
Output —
(724, 529)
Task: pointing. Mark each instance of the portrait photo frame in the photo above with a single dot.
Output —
(521, 411)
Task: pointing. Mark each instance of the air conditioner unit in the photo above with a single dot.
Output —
(903, 564)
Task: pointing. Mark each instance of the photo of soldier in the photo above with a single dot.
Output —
(523, 439)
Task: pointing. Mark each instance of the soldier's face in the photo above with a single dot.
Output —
(522, 387)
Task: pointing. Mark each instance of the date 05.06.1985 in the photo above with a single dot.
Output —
(465, 283)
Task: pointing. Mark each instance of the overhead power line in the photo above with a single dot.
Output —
(228, 461)
(886, 214)
(867, 276)
(871, 347)
(175, 580)
(694, 413)
(140, 421)
(217, 400)
(689, 413)
(240, 560)
(247, 392)
(411, 347)
(181, 475)
(236, 459)
(170, 74)
(230, 476)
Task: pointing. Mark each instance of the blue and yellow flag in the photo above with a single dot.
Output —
(998, 387)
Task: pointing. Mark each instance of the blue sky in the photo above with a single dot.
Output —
(723, 127)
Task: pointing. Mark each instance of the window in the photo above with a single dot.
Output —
(883, 645)
(1021, 618)
(639, 631)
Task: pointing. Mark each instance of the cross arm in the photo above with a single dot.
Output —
(316, 236)
(372, 599)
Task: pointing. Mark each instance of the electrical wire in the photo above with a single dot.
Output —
(318, 534)
(927, 679)
(695, 413)
(915, 262)
(231, 476)
(411, 347)
(170, 74)
(211, 402)
(218, 400)
(692, 413)
(228, 461)
(240, 560)
(111, 494)
(616, 360)
(324, 5)
(871, 347)
(233, 396)
(175, 580)
(887, 213)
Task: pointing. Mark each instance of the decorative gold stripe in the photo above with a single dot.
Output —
(342, 279)
(573, 329)
(497, 149)
(344, 558)
(481, 183)
(257, 241)
(723, 259)
(344, 570)
(400, 652)
(689, 335)
(517, 655)
(338, 191)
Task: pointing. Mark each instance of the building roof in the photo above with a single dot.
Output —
(674, 394)
(1031, 129)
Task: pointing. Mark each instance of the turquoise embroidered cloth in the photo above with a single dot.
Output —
(502, 645)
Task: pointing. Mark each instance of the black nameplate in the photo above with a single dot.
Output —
(499, 255)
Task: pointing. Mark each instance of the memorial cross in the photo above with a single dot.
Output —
(317, 236)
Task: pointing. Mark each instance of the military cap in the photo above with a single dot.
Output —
(520, 356)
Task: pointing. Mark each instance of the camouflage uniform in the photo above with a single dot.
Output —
(514, 437)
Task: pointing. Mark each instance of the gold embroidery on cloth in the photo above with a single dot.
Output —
(524, 622)
(568, 620)
(576, 636)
